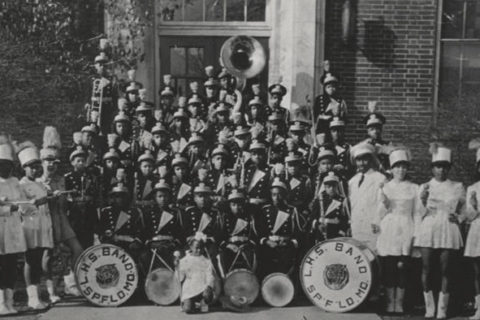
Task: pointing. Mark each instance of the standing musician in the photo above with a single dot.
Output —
(237, 250)
(257, 176)
(240, 147)
(109, 178)
(216, 178)
(165, 113)
(182, 186)
(104, 96)
(278, 229)
(160, 141)
(163, 227)
(145, 123)
(211, 86)
(329, 104)
(277, 92)
(342, 163)
(179, 130)
(144, 181)
(120, 224)
(83, 202)
(125, 145)
(374, 122)
(278, 138)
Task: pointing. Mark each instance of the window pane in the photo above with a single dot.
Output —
(171, 10)
(449, 72)
(452, 19)
(471, 63)
(195, 62)
(256, 10)
(473, 20)
(193, 10)
(235, 10)
(214, 10)
(178, 66)
(181, 86)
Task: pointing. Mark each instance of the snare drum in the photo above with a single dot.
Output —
(106, 275)
(162, 287)
(337, 275)
(242, 285)
(277, 289)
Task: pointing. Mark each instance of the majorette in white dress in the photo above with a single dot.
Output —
(12, 238)
(472, 245)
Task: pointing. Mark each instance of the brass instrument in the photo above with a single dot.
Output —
(94, 109)
(243, 56)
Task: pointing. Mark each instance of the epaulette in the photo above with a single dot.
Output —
(190, 207)
(106, 208)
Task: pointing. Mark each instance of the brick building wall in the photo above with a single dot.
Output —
(391, 59)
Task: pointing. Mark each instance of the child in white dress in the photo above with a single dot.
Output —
(37, 224)
(398, 214)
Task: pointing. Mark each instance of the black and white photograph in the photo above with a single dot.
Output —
(239, 159)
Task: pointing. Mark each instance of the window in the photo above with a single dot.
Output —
(213, 10)
(459, 51)
(187, 64)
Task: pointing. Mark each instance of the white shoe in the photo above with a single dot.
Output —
(429, 304)
(9, 301)
(33, 300)
(71, 285)
(399, 293)
(476, 316)
(390, 300)
(51, 292)
(3, 308)
(442, 305)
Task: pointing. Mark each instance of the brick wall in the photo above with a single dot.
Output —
(391, 59)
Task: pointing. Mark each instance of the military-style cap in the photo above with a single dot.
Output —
(101, 58)
(219, 150)
(331, 178)
(277, 89)
(293, 157)
(159, 128)
(51, 154)
(297, 126)
(224, 74)
(211, 82)
(223, 107)
(278, 183)
(241, 131)
(167, 91)
(195, 138)
(90, 128)
(324, 152)
(195, 99)
(361, 149)
(162, 185)
(143, 107)
(257, 145)
(374, 117)
(180, 114)
(256, 101)
(202, 188)
(147, 156)
(275, 116)
(329, 79)
(132, 87)
(111, 154)
(79, 152)
(121, 117)
(178, 160)
(119, 189)
(236, 195)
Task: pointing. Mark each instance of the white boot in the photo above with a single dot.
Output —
(9, 301)
(442, 305)
(33, 300)
(51, 292)
(71, 285)
(3, 308)
(390, 300)
(399, 293)
(429, 304)
(476, 316)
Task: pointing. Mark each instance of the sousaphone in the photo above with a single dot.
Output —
(243, 57)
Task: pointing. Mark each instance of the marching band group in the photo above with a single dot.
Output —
(216, 180)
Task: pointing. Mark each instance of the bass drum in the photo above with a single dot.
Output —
(242, 285)
(106, 275)
(277, 289)
(162, 287)
(337, 275)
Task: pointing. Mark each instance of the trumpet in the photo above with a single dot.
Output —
(94, 109)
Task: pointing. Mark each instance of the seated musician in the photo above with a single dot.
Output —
(197, 276)
(238, 248)
(163, 227)
(216, 178)
(181, 182)
(203, 218)
(119, 223)
(278, 230)
(144, 181)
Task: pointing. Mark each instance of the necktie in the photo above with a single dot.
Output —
(361, 180)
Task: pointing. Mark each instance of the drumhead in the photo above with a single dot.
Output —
(106, 275)
(277, 290)
(162, 287)
(241, 283)
(338, 274)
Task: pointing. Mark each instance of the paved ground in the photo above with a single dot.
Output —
(77, 309)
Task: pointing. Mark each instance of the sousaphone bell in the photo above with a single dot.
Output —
(243, 56)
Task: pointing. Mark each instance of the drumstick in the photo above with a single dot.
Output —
(17, 202)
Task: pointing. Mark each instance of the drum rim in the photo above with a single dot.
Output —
(248, 271)
(92, 248)
(147, 291)
(347, 239)
(274, 274)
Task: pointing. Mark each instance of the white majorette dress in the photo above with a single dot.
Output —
(37, 222)
(364, 199)
(446, 197)
(398, 225)
(472, 245)
(12, 238)
(196, 273)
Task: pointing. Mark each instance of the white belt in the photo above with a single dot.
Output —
(238, 239)
(162, 237)
(278, 238)
(257, 201)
